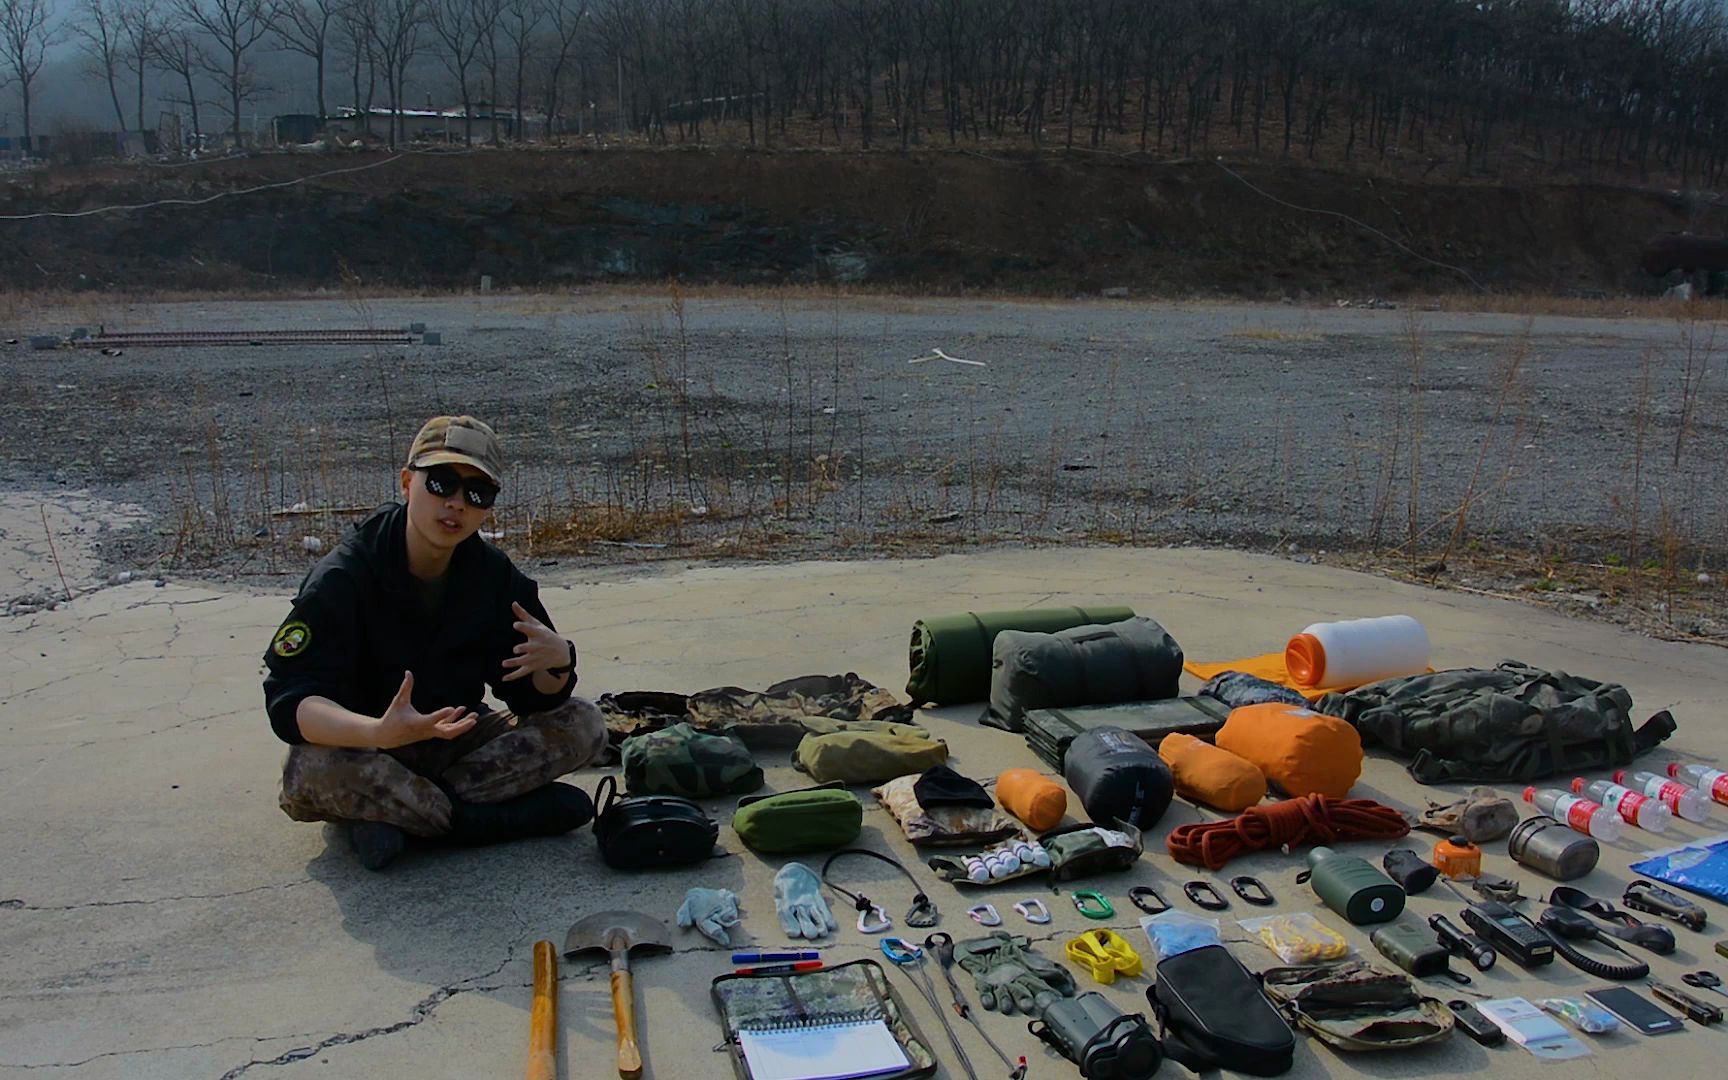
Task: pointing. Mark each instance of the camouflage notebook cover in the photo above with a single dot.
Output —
(854, 991)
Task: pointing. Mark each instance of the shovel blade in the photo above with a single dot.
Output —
(617, 932)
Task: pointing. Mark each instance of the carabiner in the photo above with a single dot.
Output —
(900, 951)
(865, 926)
(1092, 904)
(1241, 884)
(984, 915)
(1033, 911)
(1193, 890)
(1138, 894)
(922, 913)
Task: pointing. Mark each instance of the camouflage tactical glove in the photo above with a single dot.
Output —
(1010, 976)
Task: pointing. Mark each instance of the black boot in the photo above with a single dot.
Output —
(377, 843)
(546, 811)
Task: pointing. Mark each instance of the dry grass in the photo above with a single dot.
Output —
(1713, 309)
(1266, 333)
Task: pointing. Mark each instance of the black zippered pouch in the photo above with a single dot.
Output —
(1212, 1014)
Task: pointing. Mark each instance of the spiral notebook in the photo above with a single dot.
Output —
(826, 1049)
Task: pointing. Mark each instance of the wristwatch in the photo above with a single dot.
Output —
(566, 669)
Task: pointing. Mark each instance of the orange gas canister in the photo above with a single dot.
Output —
(1458, 857)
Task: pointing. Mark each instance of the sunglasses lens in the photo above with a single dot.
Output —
(480, 494)
(442, 482)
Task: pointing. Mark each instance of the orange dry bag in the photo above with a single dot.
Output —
(1036, 800)
(1212, 776)
(1302, 751)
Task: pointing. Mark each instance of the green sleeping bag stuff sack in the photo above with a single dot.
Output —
(950, 654)
(1131, 660)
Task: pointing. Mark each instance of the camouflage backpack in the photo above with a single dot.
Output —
(680, 760)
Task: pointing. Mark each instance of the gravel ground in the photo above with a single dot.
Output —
(804, 427)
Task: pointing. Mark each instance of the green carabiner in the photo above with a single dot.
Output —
(1093, 905)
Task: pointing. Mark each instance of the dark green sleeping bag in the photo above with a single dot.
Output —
(950, 654)
(1131, 660)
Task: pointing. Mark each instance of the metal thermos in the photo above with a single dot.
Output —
(1353, 888)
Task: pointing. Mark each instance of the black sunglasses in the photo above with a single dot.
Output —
(444, 481)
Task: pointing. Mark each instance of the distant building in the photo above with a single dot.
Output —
(297, 127)
(441, 125)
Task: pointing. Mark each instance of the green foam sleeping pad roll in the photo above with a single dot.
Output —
(950, 654)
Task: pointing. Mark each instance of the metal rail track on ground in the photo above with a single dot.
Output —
(182, 338)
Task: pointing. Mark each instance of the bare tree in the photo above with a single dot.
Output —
(395, 29)
(24, 38)
(462, 27)
(139, 24)
(304, 26)
(173, 51)
(564, 20)
(519, 23)
(355, 23)
(101, 39)
(230, 28)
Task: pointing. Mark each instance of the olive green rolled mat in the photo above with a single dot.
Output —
(950, 654)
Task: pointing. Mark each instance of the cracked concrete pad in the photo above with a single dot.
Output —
(161, 918)
(48, 546)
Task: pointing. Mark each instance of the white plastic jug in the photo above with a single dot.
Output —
(1357, 651)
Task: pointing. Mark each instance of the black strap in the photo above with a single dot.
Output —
(923, 911)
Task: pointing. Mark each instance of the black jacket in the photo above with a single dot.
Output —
(357, 626)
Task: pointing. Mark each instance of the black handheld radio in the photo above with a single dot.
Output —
(1508, 931)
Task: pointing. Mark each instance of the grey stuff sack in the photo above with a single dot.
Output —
(1118, 778)
(1132, 660)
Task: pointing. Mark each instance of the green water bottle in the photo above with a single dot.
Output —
(1354, 887)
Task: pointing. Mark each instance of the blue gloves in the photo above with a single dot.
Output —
(798, 901)
(711, 912)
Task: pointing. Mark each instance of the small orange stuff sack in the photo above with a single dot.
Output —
(1302, 751)
(1035, 799)
(1212, 776)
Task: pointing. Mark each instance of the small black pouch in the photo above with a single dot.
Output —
(642, 832)
(1214, 1015)
(1413, 873)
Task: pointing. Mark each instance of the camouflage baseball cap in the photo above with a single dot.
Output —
(458, 440)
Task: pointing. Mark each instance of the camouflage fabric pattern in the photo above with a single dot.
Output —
(768, 719)
(1357, 1006)
(500, 757)
(932, 826)
(847, 991)
(682, 761)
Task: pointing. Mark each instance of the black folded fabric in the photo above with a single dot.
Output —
(942, 786)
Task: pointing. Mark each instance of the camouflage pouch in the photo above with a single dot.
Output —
(1079, 850)
(866, 751)
(682, 761)
(1357, 1006)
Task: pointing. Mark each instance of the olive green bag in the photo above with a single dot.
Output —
(809, 819)
(865, 751)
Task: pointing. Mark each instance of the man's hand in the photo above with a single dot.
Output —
(402, 723)
(540, 649)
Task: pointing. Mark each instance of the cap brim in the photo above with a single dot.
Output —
(453, 457)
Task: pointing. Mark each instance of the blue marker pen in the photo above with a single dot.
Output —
(775, 957)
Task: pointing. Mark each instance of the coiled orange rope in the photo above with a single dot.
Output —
(1311, 819)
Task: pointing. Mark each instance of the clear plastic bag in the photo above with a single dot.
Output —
(1175, 932)
(1299, 938)
(1581, 1014)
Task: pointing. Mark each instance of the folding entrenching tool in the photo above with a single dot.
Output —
(619, 933)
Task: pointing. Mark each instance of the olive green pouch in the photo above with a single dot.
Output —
(809, 819)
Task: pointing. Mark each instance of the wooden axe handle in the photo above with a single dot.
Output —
(543, 1021)
(624, 1013)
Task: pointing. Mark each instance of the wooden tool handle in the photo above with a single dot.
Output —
(543, 1021)
(624, 1012)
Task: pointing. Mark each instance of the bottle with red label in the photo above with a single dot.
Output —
(1712, 782)
(1688, 803)
(1589, 818)
(1633, 808)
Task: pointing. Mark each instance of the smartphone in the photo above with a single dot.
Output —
(1644, 1015)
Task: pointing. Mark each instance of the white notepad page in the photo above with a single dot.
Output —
(839, 1051)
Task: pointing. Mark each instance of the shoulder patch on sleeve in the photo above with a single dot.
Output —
(292, 639)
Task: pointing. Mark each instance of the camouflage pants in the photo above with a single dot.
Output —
(500, 757)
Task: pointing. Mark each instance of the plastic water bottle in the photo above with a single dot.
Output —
(1712, 782)
(1584, 816)
(1640, 810)
(1686, 802)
